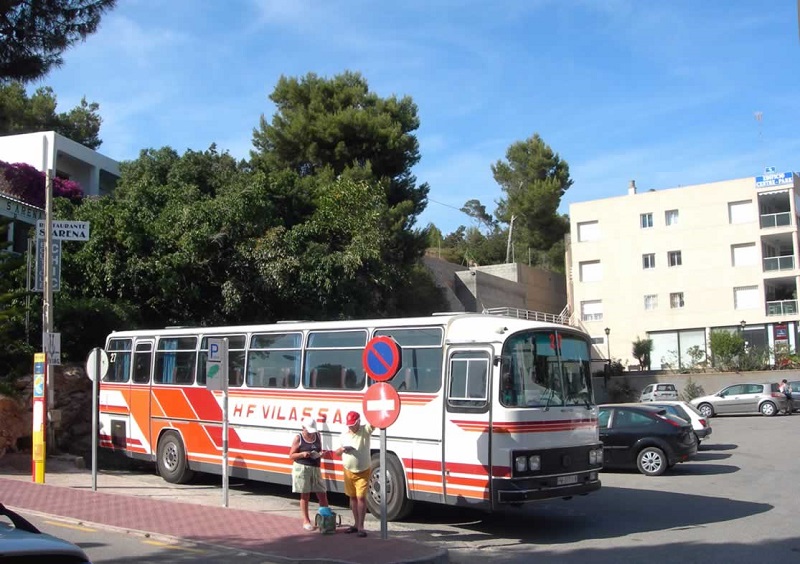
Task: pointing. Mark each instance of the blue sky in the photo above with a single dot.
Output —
(662, 92)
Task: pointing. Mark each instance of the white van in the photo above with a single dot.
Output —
(659, 391)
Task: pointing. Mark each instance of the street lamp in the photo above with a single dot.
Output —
(608, 343)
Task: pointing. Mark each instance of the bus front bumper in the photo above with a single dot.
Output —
(521, 490)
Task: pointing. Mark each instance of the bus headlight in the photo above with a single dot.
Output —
(596, 456)
(535, 463)
(521, 463)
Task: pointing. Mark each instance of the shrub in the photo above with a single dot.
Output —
(622, 392)
(726, 349)
(692, 390)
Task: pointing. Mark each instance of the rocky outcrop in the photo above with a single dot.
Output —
(72, 398)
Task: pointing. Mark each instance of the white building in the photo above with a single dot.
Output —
(96, 173)
(672, 265)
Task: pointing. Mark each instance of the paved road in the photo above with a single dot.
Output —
(723, 506)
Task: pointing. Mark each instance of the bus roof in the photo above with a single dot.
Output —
(462, 327)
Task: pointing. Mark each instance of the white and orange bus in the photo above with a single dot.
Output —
(496, 410)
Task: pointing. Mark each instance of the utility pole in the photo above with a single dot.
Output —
(508, 246)
(47, 294)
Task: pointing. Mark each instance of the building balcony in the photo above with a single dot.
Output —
(781, 219)
(785, 262)
(782, 307)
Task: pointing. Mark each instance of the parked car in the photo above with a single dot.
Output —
(687, 412)
(659, 392)
(644, 437)
(742, 398)
(21, 541)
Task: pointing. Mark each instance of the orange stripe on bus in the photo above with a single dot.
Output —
(467, 493)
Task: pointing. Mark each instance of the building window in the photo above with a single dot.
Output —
(671, 217)
(592, 310)
(591, 271)
(598, 340)
(646, 220)
(674, 258)
(746, 297)
(588, 231)
(741, 212)
(744, 255)
(650, 301)
(648, 261)
(676, 300)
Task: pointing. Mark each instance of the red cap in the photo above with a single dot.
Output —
(353, 418)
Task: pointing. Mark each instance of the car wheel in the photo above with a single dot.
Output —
(172, 463)
(768, 408)
(651, 461)
(706, 410)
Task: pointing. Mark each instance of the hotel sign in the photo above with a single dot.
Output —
(772, 178)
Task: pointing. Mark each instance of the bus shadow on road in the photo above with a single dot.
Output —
(612, 512)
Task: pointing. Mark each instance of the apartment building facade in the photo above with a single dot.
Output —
(673, 265)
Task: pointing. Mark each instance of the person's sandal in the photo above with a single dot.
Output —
(309, 527)
(351, 529)
(362, 533)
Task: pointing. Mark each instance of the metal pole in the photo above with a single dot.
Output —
(225, 426)
(95, 386)
(28, 287)
(47, 309)
(384, 531)
(225, 447)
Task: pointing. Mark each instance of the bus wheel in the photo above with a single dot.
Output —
(398, 505)
(172, 463)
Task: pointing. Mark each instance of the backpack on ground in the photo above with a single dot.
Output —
(327, 521)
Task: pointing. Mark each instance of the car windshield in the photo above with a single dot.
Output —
(546, 369)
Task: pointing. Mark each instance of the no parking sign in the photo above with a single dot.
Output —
(381, 358)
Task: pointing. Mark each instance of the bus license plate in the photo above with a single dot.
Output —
(566, 480)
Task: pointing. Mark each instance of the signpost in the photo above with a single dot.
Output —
(381, 403)
(96, 370)
(217, 380)
(39, 426)
(52, 347)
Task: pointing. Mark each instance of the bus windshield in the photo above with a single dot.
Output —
(546, 369)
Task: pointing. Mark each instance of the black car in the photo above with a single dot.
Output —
(644, 437)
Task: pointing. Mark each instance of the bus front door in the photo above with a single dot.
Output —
(139, 427)
(466, 460)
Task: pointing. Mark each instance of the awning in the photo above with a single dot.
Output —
(769, 192)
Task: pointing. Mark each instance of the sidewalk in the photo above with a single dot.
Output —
(279, 538)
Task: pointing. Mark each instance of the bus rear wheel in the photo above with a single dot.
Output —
(171, 462)
(398, 505)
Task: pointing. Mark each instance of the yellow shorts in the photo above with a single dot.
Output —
(356, 484)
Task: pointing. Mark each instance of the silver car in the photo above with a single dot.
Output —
(742, 398)
(20, 541)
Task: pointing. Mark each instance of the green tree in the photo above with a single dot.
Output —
(726, 349)
(534, 178)
(337, 128)
(35, 33)
(198, 239)
(477, 211)
(642, 348)
(20, 113)
(15, 354)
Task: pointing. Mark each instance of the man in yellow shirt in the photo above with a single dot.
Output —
(354, 448)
